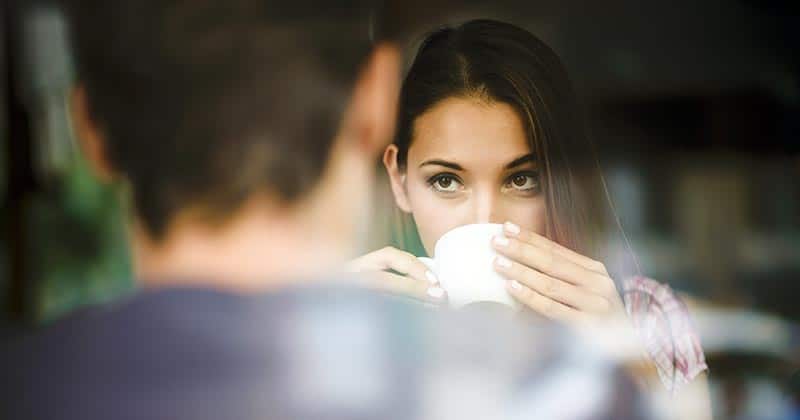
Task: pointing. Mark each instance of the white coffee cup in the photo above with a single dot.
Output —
(463, 261)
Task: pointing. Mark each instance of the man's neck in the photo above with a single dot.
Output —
(261, 249)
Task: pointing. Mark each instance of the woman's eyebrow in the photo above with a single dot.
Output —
(521, 160)
(446, 164)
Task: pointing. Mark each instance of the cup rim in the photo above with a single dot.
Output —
(460, 228)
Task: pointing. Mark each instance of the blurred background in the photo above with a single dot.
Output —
(694, 106)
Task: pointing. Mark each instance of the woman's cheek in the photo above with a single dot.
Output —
(433, 216)
(529, 214)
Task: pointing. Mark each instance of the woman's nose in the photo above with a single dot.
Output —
(487, 208)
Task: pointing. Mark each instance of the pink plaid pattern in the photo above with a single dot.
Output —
(662, 321)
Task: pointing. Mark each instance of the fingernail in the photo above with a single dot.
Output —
(515, 285)
(500, 240)
(431, 277)
(511, 228)
(436, 292)
(503, 261)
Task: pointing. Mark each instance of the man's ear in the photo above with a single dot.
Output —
(89, 136)
(397, 178)
(370, 118)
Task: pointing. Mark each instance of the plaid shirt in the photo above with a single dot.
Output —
(662, 320)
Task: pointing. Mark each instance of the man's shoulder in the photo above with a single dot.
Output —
(333, 349)
(184, 315)
(170, 350)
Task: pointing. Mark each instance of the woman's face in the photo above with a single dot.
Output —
(469, 162)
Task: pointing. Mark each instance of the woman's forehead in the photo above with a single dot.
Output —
(469, 130)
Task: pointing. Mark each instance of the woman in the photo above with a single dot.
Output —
(489, 132)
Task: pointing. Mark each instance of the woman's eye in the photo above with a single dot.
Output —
(445, 183)
(523, 182)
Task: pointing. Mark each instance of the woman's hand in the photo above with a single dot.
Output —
(554, 280)
(413, 278)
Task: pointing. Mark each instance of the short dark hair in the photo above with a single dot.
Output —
(204, 103)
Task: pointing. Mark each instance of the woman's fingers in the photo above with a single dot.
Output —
(546, 261)
(547, 245)
(556, 272)
(390, 258)
(552, 287)
(400, 285)
(544, 305)
(552, 264)
(411, 277)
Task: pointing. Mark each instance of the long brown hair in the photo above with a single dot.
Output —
(497, 61)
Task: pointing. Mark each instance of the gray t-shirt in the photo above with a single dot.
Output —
(321, 352)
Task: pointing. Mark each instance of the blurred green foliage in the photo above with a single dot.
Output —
(78, 250)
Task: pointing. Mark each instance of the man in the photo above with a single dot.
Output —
(246, 133)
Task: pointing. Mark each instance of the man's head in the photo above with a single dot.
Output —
(203, 106)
